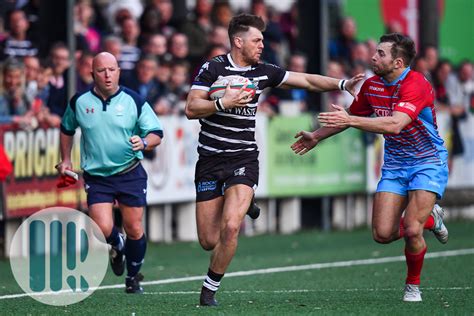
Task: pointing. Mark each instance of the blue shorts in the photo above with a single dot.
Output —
(428, 177)
(128, 188)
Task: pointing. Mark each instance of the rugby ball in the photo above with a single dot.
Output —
(236, 82)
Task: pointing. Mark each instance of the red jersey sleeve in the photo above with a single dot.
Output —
(361, 107)
(415, 95)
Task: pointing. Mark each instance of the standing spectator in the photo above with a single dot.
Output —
(197, 29)
(289, 26)
(117, 126)
(430, 54)
(84, 80)
(83, 18)
(129, 53)
(60, 61)
(340, 48)
(221, 13)
(17, 44)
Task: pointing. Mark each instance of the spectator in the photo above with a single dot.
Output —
(221, 13)
(172, 102)
(336, 69)
(32, 67)
(430, 54)
(165, 7)
(179, 48)
(149, 25)
(197, 29)
(60, 61)
(83, 17)
(156, 45)
(444, 102)
(143, 80)
(163, 72)
(84, 80)
(14, 106)
(17, 44)
(113, 44)
(129, 53)
(272, 105)
(289, 26)
(219, 37)
(340, 48)
(272, 36)
(420, 65)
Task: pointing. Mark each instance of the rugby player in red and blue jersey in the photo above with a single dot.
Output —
(398, 103)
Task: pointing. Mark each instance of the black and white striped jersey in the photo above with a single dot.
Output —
(232, 132)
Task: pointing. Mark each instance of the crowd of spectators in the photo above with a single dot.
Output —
(159, 55)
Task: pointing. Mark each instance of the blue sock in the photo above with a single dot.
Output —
(115, 239)
(135, 255)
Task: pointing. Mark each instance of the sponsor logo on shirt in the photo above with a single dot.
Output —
(407, 106)
(376, 88)
(89, 110)
(383, 112)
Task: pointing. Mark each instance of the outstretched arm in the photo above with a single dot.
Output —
(309, 140)
(393, 124)
(320, 83)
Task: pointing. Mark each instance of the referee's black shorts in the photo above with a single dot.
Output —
(214, 174)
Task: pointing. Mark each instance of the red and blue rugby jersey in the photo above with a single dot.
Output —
(419, 142)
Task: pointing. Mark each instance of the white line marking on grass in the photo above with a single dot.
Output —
(312, 290)
(315, 266)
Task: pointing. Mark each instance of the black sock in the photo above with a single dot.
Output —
(212, 280)
(135, 255)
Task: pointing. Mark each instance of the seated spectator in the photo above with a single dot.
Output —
(172, 102)
(129, 53)
(156, 45)
(163, 71)
(17, 44)
(143, 80)
(178, 47)
(32, 67)
(14, 105)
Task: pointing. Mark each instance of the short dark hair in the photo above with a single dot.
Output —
(242, 23)
(402, 46)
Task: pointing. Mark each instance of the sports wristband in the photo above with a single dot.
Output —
(219, 106)
(145, 143)
(342, 84)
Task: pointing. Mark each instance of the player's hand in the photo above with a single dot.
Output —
(336, 119)
(236, 98)
(137, 143)
(63, 166)
(352, 83)
(305, 143)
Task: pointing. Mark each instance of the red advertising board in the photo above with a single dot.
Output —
(32, 185)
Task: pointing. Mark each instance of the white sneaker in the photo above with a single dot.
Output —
(439, 230)
(412, 293)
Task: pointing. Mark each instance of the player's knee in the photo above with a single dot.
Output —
(230, 232)
(413, 231)
(134, 230)
(382, 237)
(207, 243)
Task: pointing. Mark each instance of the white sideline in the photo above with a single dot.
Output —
(314, 266)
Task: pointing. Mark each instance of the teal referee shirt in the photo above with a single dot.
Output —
(107, 126)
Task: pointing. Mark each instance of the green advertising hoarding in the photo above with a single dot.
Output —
(336, 166)
(456, 24)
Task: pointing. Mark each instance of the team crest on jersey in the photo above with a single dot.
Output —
(119, 108)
